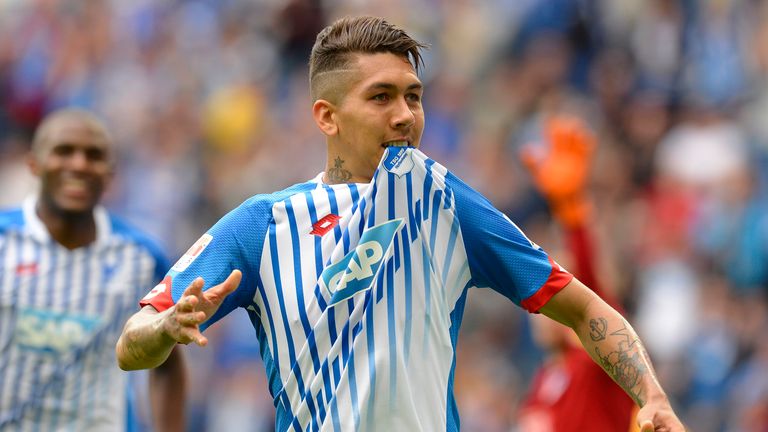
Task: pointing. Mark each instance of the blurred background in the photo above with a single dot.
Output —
(208, 104)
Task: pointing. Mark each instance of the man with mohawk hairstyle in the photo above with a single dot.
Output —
(356, 280)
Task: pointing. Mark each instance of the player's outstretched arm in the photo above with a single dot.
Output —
(614, 345)
(149, 336)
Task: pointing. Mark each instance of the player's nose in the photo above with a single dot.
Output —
(403, 115)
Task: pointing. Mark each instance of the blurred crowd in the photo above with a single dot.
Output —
(208, 103)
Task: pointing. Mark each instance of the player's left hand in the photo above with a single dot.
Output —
(658, 417)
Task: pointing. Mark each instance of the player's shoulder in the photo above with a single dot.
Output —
(262, 204)
(11, 218)
(129, 233)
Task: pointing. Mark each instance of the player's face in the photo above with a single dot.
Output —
(74, 164)
(382, 108)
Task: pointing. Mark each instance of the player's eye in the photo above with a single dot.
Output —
(63, 150)
(413, 97)
(95, 154)
(381, 97)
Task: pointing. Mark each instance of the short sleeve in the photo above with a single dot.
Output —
(234, 242)
(500, 256)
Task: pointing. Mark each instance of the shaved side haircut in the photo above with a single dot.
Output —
(337, 45)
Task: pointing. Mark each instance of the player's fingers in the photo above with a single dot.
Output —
(190, 319)
(646, 426)
(192, 334)
(195, 288)
(217, 293)
(187, 303)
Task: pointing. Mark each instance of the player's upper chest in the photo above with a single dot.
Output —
(45, 274)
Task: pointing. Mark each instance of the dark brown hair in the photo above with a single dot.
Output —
(336, 44)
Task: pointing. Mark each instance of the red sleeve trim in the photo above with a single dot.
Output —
(556, 281)
(160, 297)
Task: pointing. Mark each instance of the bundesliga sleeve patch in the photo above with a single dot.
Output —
(191, 255)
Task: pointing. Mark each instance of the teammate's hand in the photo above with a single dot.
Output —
(658, 417)
(195, 306)
(561, 172)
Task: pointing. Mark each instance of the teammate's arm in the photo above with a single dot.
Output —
(167, 391)
(149, 336)
(614, 345)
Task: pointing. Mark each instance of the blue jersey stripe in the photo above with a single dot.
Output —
(349, 363)
(371, 217)
(371, 338)
(308, 332)
(372, 212)
(427, 279)
(318, 250)
(279, 290)
(411, 217)
(274, 374)
(451, 247)
(356, 202)
(296, 252)
(433, 229)
(332, 333)
(427, 189)
(392, 329)
(408, 292)
(379, 285)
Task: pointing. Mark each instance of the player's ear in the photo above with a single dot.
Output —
(33, 163)
(323, 113)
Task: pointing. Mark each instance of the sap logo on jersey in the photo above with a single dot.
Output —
(53, 332)
(356, 271)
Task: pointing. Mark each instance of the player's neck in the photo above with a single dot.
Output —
(71, 230)
(338, 171)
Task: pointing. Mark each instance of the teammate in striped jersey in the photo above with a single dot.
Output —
(356, 280)
(69, 274)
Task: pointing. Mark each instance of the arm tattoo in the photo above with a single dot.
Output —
(625, 365)
(339, 174)
(597, 329)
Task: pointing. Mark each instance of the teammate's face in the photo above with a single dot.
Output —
(74, 164)
(381, 108)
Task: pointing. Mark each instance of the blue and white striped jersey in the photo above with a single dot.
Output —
(356, 291)
(61, 313)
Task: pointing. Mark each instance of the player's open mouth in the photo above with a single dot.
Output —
(402, 143)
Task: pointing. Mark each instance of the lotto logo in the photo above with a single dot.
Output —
(327, 223)
(26, 269)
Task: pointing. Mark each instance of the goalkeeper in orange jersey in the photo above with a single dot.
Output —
(570, 392)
